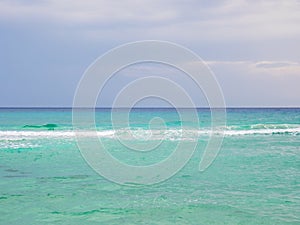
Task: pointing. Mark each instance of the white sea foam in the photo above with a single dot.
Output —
(146, 134)
(21, 135)
(17, 145)
(292, 131)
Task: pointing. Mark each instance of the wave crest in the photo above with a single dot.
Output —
(157, 134)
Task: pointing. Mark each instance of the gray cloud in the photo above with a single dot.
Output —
(199, 20)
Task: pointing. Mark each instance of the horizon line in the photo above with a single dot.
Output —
(148, 107)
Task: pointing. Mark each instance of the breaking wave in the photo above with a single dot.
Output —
(157, 134)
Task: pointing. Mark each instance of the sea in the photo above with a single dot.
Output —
(254, 179)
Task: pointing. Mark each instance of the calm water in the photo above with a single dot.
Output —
(254, 180)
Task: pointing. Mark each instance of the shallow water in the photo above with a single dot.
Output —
(254, 180)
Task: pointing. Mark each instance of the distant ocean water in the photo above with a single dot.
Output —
(254, 180)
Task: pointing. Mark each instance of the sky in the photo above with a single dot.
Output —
(252, 47)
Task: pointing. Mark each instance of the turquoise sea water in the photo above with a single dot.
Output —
(254, 180)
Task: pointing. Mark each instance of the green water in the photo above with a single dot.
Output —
(254, 180)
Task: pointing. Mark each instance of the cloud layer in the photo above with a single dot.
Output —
(196, 20)
(252, 46)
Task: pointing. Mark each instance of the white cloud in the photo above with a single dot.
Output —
(276, 64)
(259, 83)
(279, 68)
(269, 68)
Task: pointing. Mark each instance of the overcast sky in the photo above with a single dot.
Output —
(251, 46)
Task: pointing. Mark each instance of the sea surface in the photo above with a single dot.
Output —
(255, 178)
